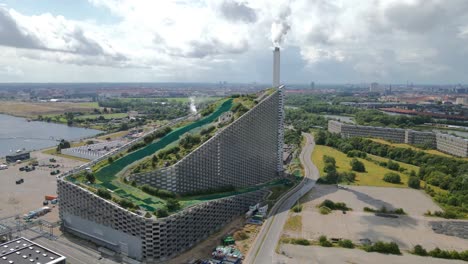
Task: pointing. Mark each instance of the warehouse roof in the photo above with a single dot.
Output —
(22, 251)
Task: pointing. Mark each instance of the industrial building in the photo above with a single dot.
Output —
(449, 144)
(21, 155)
(24, 251)
(244, 153)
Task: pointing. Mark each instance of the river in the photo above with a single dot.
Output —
(17, 133)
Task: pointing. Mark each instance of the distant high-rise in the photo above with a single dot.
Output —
(373, 87)
(276, 67)
(312, 85)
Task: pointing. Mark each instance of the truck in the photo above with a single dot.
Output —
(50, 197)
(36, 213)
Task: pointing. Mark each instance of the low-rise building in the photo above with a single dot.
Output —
(22, 155)
(453, 145)
(24, 251)
(449, 144)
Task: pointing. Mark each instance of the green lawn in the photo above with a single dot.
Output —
(372, 177)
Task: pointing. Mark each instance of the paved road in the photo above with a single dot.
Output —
(263, 249)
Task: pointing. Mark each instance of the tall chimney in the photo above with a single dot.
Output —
(276, 67)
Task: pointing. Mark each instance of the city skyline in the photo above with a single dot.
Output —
(191, 41)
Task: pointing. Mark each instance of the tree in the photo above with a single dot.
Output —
(90, 177)
(393, 165)
(392, 177)
(414, 182)
(357, 165)
(172, 205)
(110, 160)
(162, 213)
(104, 193)
(320, 137)
(329, 159)
(63, 145)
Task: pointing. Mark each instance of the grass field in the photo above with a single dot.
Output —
(294, 223)
(30, 109)
(372, 177)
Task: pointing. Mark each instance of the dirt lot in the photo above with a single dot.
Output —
(321, 255)
(22, 198)
(203, 250)
(407, 230)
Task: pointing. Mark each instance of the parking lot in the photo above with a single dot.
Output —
(29, 195)
(407, 230)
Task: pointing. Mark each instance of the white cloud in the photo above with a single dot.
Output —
(181, 39)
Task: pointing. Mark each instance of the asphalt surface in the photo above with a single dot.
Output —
(263, 249)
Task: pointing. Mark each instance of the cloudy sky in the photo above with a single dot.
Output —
(326, 41)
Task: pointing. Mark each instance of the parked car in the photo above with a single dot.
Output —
(20, 181)
(45, 202)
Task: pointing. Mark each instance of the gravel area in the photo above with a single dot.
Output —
(451, 228)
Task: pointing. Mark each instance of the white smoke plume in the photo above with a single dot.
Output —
(193, 107)
(280, 27)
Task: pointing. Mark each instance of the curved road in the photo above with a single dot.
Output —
(263, 249)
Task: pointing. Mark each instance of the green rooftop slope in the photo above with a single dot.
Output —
(107, 173)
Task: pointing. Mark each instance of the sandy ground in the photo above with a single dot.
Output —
(204, 249)
(320, 255)
(22, 198)
(414, 202)
(407, 231)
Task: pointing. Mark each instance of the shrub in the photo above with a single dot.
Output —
(357, 165)
(240, 235)
(126, 203)
(346, 243)
(399, 211)
(147, 215)
(161, 213)
(334, 206)
(104, 193)
(207, 130)
(382, 247)
(325, 210)
(172, 205)
(90, 177)
(414, 182)
(392, 177)
(419, 250)
(369, 210)
(393, 165)
(297, 208)
(329, 159)
(300, 241)
(323, 241)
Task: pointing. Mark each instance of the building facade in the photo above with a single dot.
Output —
(247, 152)
(449, 144)
(244, 153)
(456, 146)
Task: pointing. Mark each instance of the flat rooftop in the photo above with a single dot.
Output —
(22, 251)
